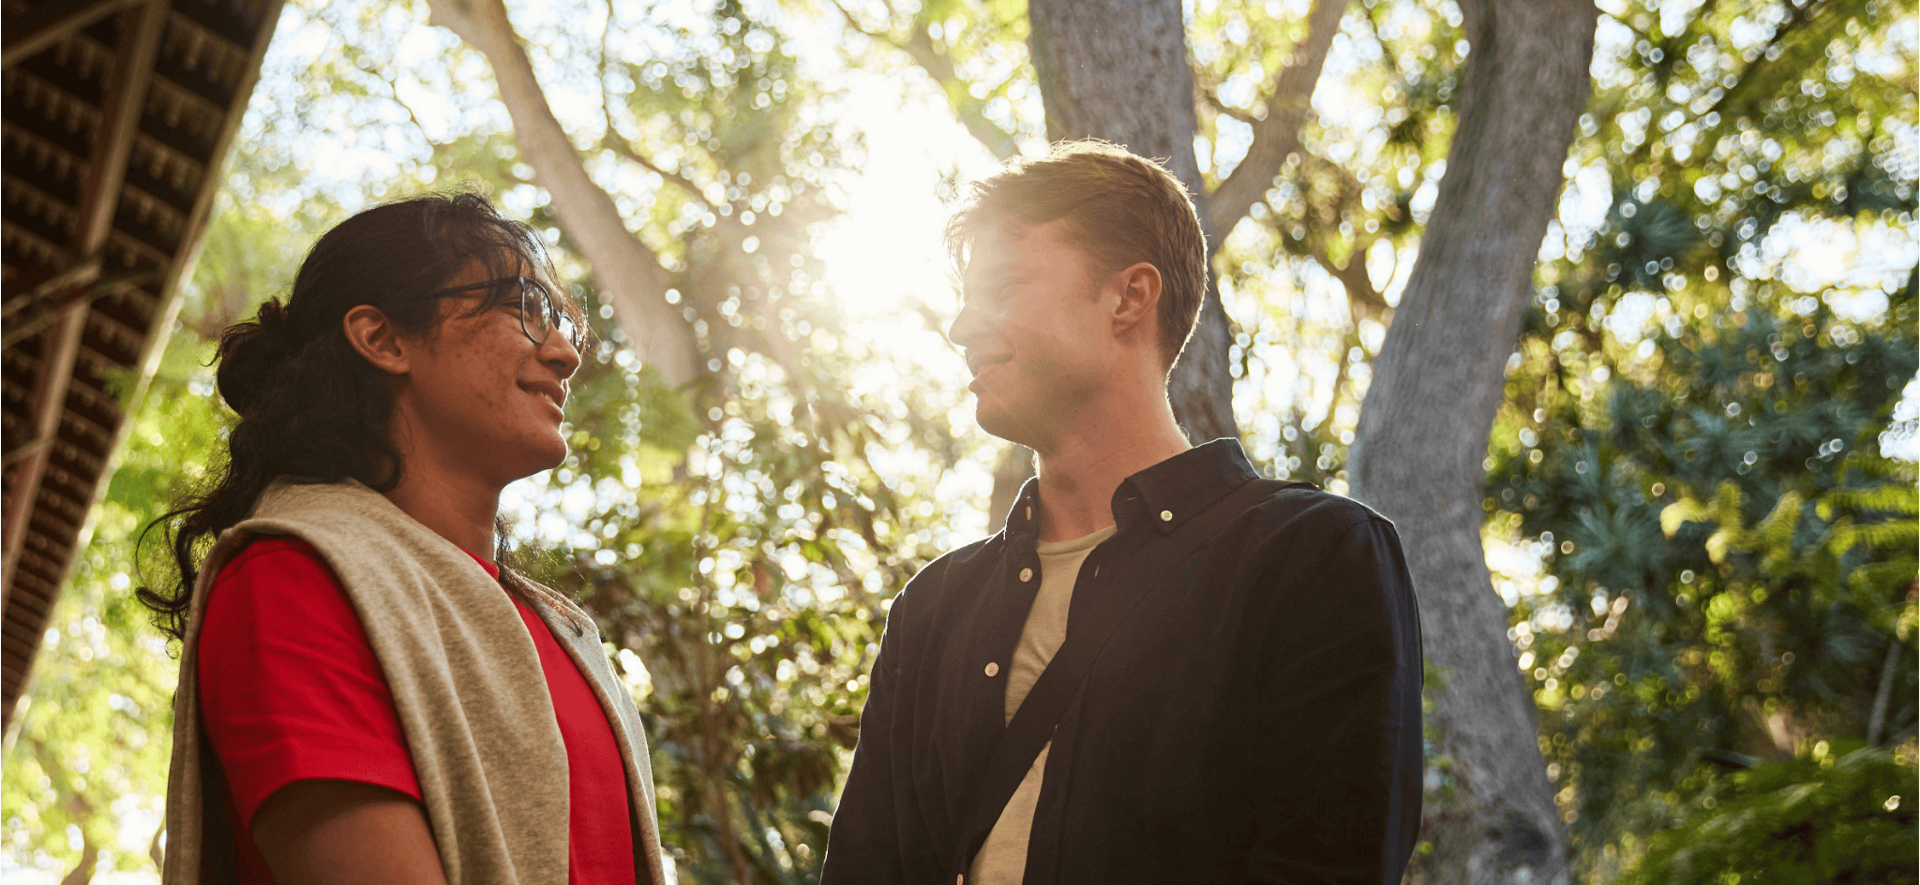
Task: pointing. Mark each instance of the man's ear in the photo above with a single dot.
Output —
(377, 339)
(1139, 296)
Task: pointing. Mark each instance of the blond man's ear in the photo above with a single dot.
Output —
(1139, 296)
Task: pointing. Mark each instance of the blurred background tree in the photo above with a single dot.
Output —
(1693, 443)
(1692, 514)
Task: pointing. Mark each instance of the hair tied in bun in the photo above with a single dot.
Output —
(274, 321)
(251, 353)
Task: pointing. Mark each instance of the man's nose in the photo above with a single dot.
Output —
(966, 327)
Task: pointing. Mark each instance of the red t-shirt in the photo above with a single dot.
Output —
(291, 690)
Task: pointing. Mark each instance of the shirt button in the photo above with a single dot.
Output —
(1026, 574)
(1166, 516)
(993, 669)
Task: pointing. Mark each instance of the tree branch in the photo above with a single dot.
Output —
(1278, 134)
(1212, 98)
(628, 271)
(1877, 721)
(1364, 298)
(393, 91)
(614, 140)
(937, 64)
(623, 148)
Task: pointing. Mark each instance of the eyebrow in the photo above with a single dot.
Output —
(990, 273)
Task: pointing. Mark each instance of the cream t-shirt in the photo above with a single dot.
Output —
(1003, 857)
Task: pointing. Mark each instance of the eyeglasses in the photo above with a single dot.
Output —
(540, 313)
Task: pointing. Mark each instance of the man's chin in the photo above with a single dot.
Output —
(997, 422)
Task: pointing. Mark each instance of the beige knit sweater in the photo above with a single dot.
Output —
(466, 681)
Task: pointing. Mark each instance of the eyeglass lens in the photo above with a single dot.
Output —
(539, 315)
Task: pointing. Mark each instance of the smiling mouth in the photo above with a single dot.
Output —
(981, 371)
(979, 365)
(551, 394)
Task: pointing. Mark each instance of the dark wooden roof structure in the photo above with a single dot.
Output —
(117, 116)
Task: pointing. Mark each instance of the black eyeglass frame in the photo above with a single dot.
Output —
(554, 317)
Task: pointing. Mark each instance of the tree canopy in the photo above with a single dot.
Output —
(1698, 506)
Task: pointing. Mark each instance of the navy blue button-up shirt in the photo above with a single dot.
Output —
(1255, 719)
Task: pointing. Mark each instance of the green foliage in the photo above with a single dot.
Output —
(736, 537)
(740, 562)
(1814, 820)
(1691, 441)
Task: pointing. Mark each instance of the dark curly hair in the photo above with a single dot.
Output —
(311, 409)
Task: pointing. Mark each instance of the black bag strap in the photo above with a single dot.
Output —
(1032, 725)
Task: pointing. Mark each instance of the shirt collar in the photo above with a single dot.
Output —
(1023, 520)
(493, 569)
(1165, 495)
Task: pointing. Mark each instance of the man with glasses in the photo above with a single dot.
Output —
(1165, 669)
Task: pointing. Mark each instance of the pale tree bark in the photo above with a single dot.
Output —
(627, 271)
(1278, 134)
(1117, 70)
(1422, 437)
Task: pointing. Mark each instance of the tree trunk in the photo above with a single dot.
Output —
(1117, 70)
(626, 270)
(1422, 438)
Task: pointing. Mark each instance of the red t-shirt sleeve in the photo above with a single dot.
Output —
(289, 686)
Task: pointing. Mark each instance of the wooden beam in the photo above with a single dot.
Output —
(81, 294)
(52, 22)
(119, 125)
(99, 197)
(49, 400)
(70, 277)
(197, 217)
(22, 450)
